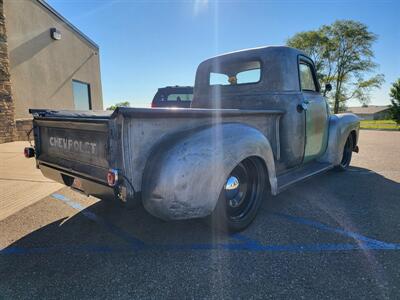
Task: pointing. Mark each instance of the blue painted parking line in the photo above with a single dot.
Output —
(247, 243)
(244, 243)
(131, 240)
(356, 236)
(93, 249)
(58, 249)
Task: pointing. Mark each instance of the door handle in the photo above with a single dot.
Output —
(303, 106)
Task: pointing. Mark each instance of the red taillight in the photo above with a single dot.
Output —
(112, 177)
(29, 152)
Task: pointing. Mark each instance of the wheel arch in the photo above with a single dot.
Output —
(184, 179)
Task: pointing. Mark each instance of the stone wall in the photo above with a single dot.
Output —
(7, 109)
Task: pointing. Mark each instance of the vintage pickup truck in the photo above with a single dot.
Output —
(258, 124)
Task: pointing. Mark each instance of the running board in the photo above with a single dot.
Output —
(301, 173)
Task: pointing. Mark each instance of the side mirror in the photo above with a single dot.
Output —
(328, 87)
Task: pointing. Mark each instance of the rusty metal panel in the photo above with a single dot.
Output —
(140, 136)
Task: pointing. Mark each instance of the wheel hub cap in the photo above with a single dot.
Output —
(232, 188)
(232, 184)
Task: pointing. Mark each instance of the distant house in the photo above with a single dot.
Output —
(370, 112)
(45, 62)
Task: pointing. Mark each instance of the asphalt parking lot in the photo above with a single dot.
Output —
(336, 235)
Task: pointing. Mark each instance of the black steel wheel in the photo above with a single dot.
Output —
(347, 154)
(241, 196)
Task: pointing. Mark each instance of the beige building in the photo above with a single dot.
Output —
(371, 112)
(45, 62)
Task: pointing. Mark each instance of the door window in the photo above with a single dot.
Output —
(81, 93)
(306, 78)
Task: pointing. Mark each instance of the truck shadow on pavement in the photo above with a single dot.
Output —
(321, 211)
(321, 233)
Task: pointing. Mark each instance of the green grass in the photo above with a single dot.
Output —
(379, 125)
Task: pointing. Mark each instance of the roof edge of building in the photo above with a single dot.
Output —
(371, 109)
(47, 6)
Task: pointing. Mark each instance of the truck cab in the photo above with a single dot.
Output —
(280, 78)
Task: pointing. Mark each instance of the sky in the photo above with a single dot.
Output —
(145, 45)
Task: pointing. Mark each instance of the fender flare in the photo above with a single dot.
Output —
(185, 173)
(340, 126)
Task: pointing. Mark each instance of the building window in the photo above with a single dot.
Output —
(81, 92)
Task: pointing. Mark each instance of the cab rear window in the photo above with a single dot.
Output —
(236, 73)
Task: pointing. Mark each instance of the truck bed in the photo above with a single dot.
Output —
(86, 144)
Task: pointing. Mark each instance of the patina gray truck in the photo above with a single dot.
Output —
(257, 124)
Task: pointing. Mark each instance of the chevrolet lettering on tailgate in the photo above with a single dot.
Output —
(72, 145)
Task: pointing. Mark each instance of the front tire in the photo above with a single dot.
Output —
(347, 154)
(241, 196)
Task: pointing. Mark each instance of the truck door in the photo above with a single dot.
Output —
(315, 111)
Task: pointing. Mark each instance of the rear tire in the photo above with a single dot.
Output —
(241, 196)
(347, 154)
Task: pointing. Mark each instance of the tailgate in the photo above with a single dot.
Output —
(81, 142)
(76, 146)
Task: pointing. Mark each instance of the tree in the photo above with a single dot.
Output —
(119, 104)
(343, 56)
(395, 99)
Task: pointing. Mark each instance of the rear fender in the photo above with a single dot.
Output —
(185, 174)
(340, 126)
